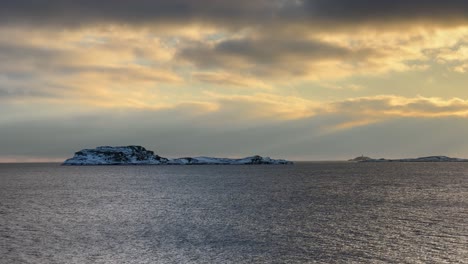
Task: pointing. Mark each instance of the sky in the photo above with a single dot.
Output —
(297, 79)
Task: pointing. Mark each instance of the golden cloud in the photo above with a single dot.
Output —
(144, 67)
(230, 79)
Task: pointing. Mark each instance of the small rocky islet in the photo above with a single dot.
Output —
(138, 155)
(421, 159)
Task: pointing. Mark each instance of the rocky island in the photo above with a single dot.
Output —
(421, 159)
(138, 155)
(360, 158)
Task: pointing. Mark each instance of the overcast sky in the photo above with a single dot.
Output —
(303, 80)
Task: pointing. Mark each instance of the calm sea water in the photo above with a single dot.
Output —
(305, 213)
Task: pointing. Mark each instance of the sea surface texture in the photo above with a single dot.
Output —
(302, 213)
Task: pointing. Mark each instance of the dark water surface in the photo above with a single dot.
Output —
(304, 213)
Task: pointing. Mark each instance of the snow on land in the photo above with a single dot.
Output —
(247, 160)
(115, 156)
(135, 155)
(421, 159)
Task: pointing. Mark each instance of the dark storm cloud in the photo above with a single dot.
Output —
(372, 10)
(268, 51)
(76, 12)
(242, 12)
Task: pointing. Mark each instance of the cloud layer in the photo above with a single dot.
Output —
(231, 77)
(79, 12)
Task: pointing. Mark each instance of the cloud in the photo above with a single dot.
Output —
(461, 68)
(242, 12)
(351, 87)
(84, 66)
(278, 58)
(255, 70)
(83, 12)
(363, 11)
(266, 51)
(229, 79)
(11, 91)
(353, 112)
(388, 106)
(454, 57)
(108, 55)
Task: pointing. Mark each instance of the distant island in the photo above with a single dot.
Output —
(360, 158)
(138, 155)
(422, 159)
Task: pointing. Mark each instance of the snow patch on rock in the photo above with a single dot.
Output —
(115, 156)
(137, 155)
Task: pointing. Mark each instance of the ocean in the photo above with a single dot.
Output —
(310, 212)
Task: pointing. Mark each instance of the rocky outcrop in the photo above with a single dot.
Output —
(115, 156)
(137, 155)
(360, 158)
(223, 161)
(422, 159)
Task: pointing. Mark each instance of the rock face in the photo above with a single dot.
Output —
(223, 161)
(137, 155)
(115, 156)
(422, 159)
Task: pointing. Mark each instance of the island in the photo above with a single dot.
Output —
(360, 158)
(421, 159)
(138, 155)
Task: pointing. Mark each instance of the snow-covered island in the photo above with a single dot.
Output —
(138, 155)
(421, 159)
